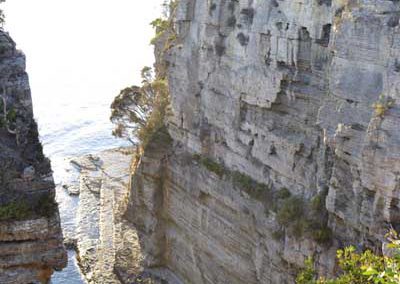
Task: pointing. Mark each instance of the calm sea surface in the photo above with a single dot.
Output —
(73, 128)
(80, 53)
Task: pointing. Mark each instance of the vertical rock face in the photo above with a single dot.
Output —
(30, 234)
(300, 96)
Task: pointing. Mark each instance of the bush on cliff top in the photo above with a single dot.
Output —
(138, 112)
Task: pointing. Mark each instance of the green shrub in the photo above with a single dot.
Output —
(283, 193)
(291, 210)
(318, 201)
(158, 114)
(16, 210)
(161, 26)
(165, 25)
(278, 235)
(302, 218)
(358, 268)
(11, 115)
(248, 184)
(243, 180)
(214, 167)
(383, 105)
(307, 275)
(322, 235)
(299, 227)
(211, 165)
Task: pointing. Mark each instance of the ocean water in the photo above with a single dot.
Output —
(71, 128)
(80, 54)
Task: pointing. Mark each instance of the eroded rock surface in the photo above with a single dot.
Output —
(101, 231)
(278, 93)
(30, 235)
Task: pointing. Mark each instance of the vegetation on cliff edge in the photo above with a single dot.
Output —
(360, 268)
(138, 112)
(22, 209)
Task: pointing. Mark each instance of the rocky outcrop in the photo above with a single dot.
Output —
(107, 246)
(30, 235)
(285, 140)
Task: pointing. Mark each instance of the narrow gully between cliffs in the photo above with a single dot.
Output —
(79, 56)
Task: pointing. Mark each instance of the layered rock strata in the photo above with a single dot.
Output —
(30, 235)
(283, 143)
(107, 246)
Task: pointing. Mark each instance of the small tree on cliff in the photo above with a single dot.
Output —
(138, 112)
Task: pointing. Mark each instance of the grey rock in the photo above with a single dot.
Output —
(101, 231)
(284, 94)
(31, 242)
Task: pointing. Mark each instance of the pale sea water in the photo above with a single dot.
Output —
(80, 53)
(71, 128)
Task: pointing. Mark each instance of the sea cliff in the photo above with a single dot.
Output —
(31, 245)
(283, 140)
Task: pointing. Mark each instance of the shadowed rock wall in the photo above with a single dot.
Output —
(30, 234)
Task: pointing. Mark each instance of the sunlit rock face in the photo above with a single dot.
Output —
(30, 235)
(283, 92)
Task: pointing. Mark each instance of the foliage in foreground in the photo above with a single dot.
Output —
(360, 268)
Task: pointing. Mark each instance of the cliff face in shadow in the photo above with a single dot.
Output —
(30, 234)
(285, 140)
